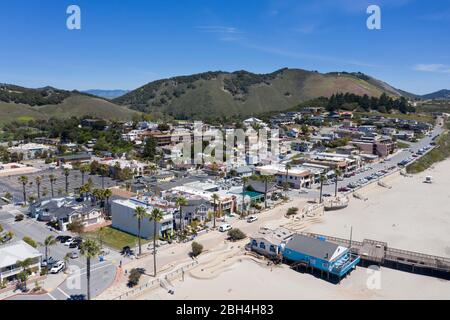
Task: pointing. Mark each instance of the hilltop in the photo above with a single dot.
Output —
(19, 103)
(222, 94)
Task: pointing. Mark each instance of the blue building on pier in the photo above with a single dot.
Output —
(320, 254)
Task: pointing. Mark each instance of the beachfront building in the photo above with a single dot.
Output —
(268, 242)
(319, 254)
(11, 253)
(123, 210)
(297, 177)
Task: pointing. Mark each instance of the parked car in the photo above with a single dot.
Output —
(69, 242)
(251, 219)
(57, 267)
(74, 255)
(48, 263)
(343, 189)
(225, 227)
(63, 239)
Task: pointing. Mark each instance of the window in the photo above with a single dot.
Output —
(272, 248)
(262, 245)
(254, 243)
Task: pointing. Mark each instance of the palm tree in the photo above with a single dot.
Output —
(140, 213)
(52, 178)
(322, 180)
(338, 173)
(90, 249)
(156, 216)
(38, 180)
(24, 181)
(108, 195)
(215, 198)
(288, 167)
(85, 168)
(266, 179)
(49, 241)
(23, 276)
(66, 174)
(244, 185)
(180, 202)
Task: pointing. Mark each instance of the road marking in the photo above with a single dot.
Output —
(53, 298)
(67, 296)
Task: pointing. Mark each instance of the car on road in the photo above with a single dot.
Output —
(225, 227)
(74, 255)
(251, 219)
(344, 189)
(326, 195)
(57, 267)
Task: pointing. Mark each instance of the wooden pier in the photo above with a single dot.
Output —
(377, 252)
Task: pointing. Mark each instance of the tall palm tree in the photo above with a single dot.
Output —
(322, 180)
(66, 174)
(85, 168)
(180, 202)
(49, 241)
(338, 173)
(108, 195)
(288, 167)
(156, 216)
(52, 178)
(140, 213)
(90, 249)
(215, 198)
(38, 180)
(24, 181)
(23, 276)
(244, 185)
(266, 179)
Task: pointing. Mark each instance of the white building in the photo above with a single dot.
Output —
(30, 150)
(10, 254)
(123, 211)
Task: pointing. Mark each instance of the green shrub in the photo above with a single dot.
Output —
(292, 211)
(197, 249)
(236, 234)
(134, 277)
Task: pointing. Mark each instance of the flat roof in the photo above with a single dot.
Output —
(17, 251)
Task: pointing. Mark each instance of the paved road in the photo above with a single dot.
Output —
(102, 276)
(103, 273)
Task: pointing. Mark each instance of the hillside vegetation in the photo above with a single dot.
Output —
(223, 94)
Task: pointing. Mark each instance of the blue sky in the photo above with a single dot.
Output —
(125, 44)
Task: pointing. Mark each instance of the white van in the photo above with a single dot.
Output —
(224, 227)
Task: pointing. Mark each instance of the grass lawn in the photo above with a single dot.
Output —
(440, 153)
(115, 239)
(402, 145)
(401, 116)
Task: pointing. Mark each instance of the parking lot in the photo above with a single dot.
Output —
(103, 272)
(12, 185)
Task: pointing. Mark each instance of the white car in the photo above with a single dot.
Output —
(224, 227)
(69, 242)
(252, 219)
(57, 267)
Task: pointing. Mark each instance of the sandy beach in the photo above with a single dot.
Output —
(411, 215)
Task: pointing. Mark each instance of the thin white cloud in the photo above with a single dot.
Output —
(432, 67)
(219, 29)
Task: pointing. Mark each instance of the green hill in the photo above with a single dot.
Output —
(217, 94)
(18, 103)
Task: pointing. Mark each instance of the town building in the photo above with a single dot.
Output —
(123, 216)
(11, 253)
